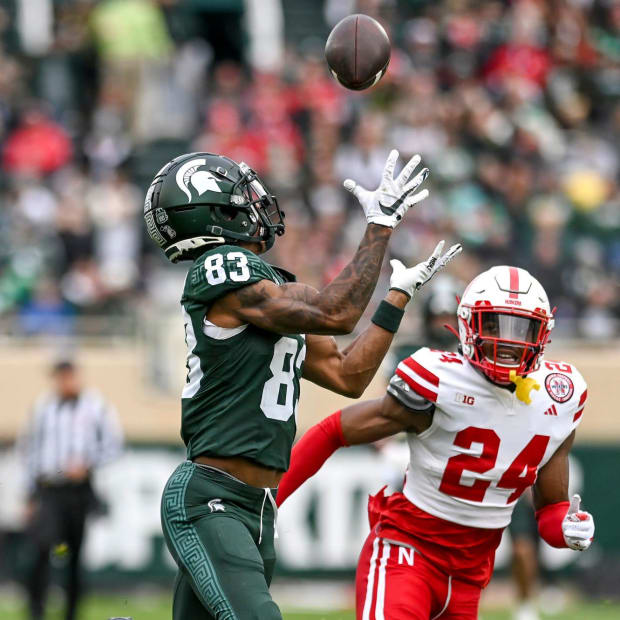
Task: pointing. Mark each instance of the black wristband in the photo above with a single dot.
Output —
(388, 316)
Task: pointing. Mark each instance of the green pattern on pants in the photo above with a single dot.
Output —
(212, 526)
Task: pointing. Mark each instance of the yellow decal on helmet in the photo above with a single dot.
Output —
(524, 386)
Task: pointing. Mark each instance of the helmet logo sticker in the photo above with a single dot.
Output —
(559, 386)
(201, 180)
(169, 231)
(161, 216)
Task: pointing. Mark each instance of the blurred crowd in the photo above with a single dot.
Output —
(514, 106)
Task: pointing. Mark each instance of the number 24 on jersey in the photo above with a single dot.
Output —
(520, 475)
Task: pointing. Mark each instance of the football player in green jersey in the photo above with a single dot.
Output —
(252, 332)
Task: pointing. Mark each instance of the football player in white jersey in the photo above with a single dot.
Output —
(483, 425)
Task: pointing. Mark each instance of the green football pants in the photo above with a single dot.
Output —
(220, 533)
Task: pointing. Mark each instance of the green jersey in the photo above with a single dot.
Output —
(242, 387)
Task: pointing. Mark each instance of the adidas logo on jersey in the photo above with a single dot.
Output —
(551, 411)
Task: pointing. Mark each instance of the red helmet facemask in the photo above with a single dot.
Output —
(506, 339)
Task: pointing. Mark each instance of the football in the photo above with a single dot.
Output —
(358, 51)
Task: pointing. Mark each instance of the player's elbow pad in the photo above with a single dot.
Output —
(399, 389)
(549, 520)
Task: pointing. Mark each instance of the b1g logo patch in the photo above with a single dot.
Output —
(559, 387)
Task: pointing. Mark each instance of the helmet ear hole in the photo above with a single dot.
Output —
(228, 213)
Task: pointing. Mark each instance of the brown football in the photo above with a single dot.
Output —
(358, 51)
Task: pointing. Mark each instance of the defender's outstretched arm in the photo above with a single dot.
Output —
(360, 423)
(380, 418)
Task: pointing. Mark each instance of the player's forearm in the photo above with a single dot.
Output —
(300, 309)
(346, 297)
(552, 481)
(362, 358)
(549, 520)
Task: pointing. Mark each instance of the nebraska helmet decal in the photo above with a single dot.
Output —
(504, 322)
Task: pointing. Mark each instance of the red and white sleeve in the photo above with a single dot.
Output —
(419, 379)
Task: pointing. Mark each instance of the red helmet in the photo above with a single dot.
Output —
(504, 322)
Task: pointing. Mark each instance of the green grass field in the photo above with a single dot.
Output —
(158, 608)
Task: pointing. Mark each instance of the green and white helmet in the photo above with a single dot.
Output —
(201, 199)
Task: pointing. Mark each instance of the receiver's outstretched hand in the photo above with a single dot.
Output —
(410, 280)
(388, 204)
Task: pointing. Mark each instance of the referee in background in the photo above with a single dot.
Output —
(71, 431)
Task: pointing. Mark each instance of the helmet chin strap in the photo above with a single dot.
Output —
(176, 250)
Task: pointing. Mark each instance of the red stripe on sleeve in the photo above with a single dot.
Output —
(514, 282)
(583, 398)
(416, 387)
(581, 406)
(420, 370)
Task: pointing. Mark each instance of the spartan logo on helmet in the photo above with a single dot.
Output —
(202, 180)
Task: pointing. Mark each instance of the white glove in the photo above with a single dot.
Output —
(577, 526)
(410, 280)
(392, 199)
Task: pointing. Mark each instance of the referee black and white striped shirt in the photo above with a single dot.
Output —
(63, 432)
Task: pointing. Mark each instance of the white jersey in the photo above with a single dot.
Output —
(484, 446)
